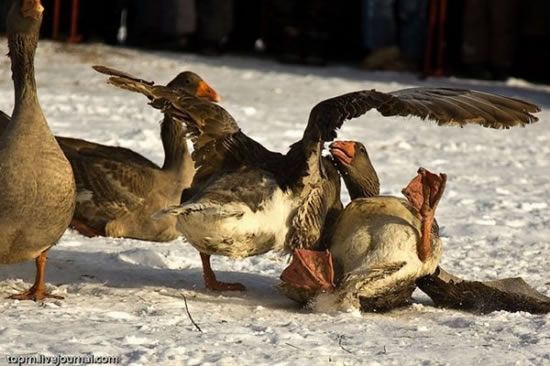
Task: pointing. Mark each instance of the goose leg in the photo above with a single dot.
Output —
(310, 270)
(210, 278)
(433, 187)
(38, 290)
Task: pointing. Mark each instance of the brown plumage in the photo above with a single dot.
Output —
(509, 294)
(304, 182)
(119, 189)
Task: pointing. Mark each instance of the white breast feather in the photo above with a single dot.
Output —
(272, 217)
(248, 233)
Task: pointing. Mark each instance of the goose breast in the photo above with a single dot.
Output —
(381, 232)
(238, 215)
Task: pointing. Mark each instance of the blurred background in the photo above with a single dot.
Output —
(482, 39)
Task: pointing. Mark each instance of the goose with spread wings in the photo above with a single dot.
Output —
(246, 200)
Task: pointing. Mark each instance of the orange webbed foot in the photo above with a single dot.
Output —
(35, 294)
(210, 280)
(311, 270)
(216, 285)
(424, 193)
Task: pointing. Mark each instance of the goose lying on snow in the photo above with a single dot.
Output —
(118, 189)
(36, 180)
(246, 200)
(383, 247)
(380, 245)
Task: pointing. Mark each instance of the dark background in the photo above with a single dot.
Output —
(486, 39)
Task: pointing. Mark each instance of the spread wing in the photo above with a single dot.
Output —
(445, 106)
(442, 105)
(509, 294)
(217, 139)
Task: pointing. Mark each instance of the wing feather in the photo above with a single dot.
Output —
(217, 139)
(116, 187)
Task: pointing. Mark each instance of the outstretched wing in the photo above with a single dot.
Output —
(445, 106)
(217, 139)
(509, 294)
(113, 72)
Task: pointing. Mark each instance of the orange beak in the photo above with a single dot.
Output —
(343, 151)
(32, 8)
(205, 91)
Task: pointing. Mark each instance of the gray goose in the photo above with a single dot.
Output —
(383, 247)
(118, 189)
(36, 180)
(246, 200)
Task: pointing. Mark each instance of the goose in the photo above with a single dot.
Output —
(247, 200)
(37, 184)
(379, 245)
(381, 248)
(118, 189)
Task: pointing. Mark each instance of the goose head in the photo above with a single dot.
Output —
(193, 84)
(25, 16)
(353, 162)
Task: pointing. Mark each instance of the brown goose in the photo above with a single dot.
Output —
(383, 247)
(36, 181)
(118, 189)
(380, 245)
(246, 200)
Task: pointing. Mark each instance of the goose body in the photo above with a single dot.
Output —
(376, 255)
(374, 251)
(377, 248)
(229, 219)
(36, 180)
(117, 196)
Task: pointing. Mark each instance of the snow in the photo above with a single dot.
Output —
(125, 297)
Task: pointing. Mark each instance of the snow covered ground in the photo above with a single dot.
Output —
(125, 297)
